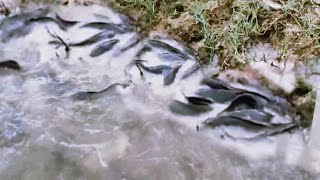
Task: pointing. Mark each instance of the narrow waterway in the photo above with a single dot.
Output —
(92, 109)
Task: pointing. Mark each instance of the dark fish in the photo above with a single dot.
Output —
(218, 95)
(159, 44)
(170, 75)
(279, 129)
(94, 39)
(252, 115)
(64, 22)
(143, 50)
(103, 47)
(266, 132)
(10, 64)
(219, 84)
(116, 28)
(131, 43)
(23, 17)
(216, 84)
(170, 57)
(185, 49)
(155, 69)
(57, 43)
(246, 101)
(188, 109)
(198, 100)
(232, 121)
(48, 20)
(19, 32)
(281, 106)
(81, 96)
(19, 25)
(189, 51)
(193, 69)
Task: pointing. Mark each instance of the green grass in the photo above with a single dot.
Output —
(228, 28)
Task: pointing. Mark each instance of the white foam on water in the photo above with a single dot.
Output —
(126, 132)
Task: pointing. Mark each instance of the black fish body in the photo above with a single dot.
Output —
(155, 69)
(94, 39)
(132, 42)
(24, 17)
(145, 49)
(170, 75)
(49, 20)
(246, 101)
(198, 101)
(220, 85)
(279, 129)
(116, 28)
(216, 84)
(251, 115)
(281, 106)
(218, 95)
(103, 47)
(181, 108)
(81, 96)
(231, 121)
(64, 22)
(193, 69)
(10, 64)
(159, 44)
(171, 57)
(18, 25)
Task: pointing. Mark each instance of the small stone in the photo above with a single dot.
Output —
(272, 4)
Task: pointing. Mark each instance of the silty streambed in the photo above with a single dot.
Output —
(89, 101)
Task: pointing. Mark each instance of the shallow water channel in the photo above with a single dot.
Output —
(51, 129)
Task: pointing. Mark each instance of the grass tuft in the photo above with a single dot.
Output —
(228, 28)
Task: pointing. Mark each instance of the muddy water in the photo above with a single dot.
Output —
(124, 133)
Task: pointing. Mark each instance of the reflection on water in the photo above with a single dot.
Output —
(126, 132)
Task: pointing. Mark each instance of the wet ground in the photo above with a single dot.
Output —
(60, 119)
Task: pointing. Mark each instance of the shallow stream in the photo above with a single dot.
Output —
(50, 130)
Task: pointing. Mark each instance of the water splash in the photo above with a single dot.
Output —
(127, 132)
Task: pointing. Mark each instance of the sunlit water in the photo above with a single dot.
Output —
(125, 133)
